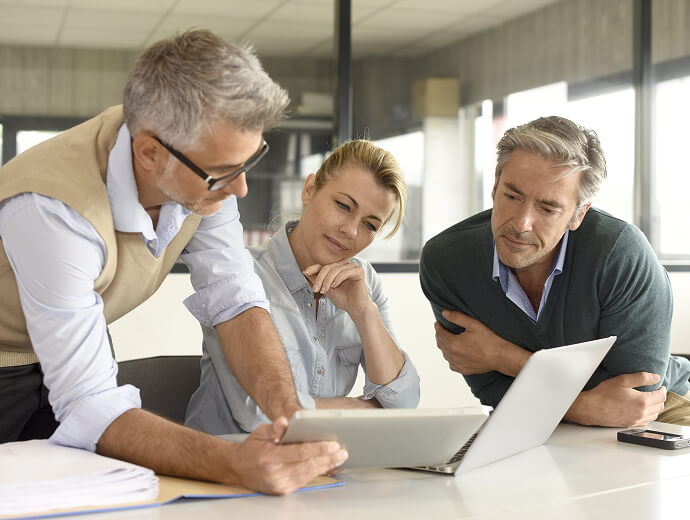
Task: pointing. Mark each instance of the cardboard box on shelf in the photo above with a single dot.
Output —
(436, 97)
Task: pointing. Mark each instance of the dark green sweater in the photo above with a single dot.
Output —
(612, 285)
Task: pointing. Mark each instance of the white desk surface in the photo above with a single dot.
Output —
(581, 472)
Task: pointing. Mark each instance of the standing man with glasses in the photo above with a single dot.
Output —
(92, 221)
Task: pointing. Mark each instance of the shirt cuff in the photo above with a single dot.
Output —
(223, 300)
(89, 418)
(306, 401)
(402, 392)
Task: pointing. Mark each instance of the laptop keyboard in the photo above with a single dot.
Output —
(461, 452)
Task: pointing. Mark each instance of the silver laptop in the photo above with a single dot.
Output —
(532, 407)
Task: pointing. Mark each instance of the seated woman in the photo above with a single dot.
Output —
(327, 305)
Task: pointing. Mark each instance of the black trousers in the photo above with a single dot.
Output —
(25, 412)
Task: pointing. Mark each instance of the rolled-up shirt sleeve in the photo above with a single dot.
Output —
(222, 270)
(56, 256)
(403, 391)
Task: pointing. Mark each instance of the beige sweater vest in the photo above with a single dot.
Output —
(72, 168)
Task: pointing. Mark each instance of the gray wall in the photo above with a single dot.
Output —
(575, 40)
(81, 82)
(382, 88)
(60, 82)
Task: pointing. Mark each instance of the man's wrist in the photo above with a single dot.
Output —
(577, 411)
(511, 358)
(290, 408)
(232, 464)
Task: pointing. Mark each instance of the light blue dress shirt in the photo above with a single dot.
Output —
(57, 255)
(516, 294)
(324, 353)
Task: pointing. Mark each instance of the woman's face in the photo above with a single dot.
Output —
(343, 217)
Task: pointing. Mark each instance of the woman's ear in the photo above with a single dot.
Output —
(308, 189)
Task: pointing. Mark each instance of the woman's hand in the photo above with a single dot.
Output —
(344, 284)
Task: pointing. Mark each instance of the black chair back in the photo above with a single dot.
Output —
(166, 383)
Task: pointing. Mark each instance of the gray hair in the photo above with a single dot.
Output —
(181, 85)
(566, 143)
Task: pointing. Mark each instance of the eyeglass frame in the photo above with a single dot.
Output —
(209, 179)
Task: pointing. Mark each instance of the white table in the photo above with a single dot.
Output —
(580, 473)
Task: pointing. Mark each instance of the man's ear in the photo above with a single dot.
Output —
(496, 179)
(577, 219)
(308, 189)
(148, 153)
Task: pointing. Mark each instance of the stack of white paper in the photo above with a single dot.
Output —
(40, 476)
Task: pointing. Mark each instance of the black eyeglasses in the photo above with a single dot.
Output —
(216, 183)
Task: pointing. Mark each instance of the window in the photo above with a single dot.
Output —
(610, 114)
(612, 117)
(28, 138)
(670, 165)
(406, 244)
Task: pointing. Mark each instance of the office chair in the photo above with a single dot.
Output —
(166, 383)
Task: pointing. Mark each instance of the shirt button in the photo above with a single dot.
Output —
(322, 336)
(309, 305)
(319, 371)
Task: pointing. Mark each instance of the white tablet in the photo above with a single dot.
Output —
(389, 437)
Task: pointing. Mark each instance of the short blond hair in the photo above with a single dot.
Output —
(381, 163)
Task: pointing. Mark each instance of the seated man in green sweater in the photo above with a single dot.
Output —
(542, 269)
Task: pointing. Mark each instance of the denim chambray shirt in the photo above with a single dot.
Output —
(324, 353)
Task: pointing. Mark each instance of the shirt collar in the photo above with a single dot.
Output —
(129, 216)
(500, 270)
(284, 259)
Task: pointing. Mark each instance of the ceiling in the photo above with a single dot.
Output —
(275, 27)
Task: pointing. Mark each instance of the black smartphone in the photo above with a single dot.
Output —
(655, 439)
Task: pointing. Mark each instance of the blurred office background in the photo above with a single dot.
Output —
(436, 82)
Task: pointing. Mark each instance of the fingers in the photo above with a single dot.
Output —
(324, 278)
(321, 277)
(313, 467)
(293, 476)
(312, 270)
(270, 432)
(348, 270)
(636, 379)
(657, 396)
(442, 336)
(297, 453)
(266, 432)
(458, 318)
(349, 273)
(650, 415)
(279, 426)
(650, 405)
